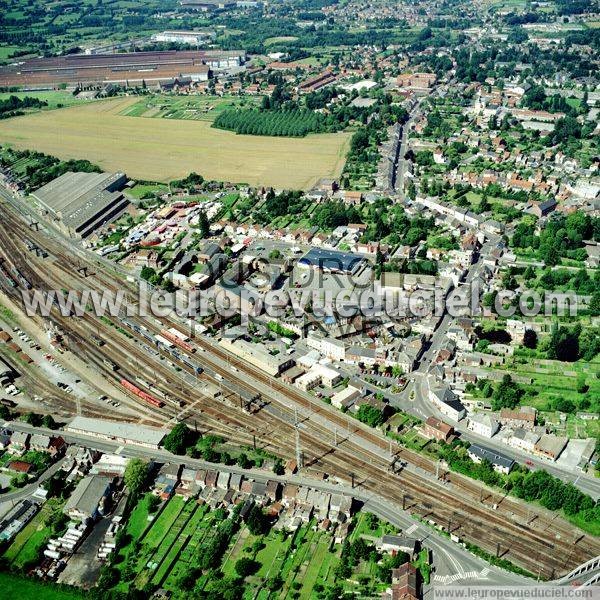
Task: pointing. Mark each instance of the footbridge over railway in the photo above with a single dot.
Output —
(585, 575)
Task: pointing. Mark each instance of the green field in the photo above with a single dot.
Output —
(6, 51)
(195, 108)
(55, 99)
(28, 543)
(552, 380)
(26, 588)
(167, 149)
(280, 40)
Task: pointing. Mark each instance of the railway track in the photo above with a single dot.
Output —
(552, 544)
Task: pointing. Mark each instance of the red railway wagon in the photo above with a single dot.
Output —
(177, 340)
(141, 394)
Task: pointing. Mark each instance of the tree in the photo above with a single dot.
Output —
(243, 461)
(49, 422)
(370, 415)
(594, 306)
(530, 339)
(203, 224)
(507, 395)
(246, 566)
(257, 522)
(135, 476)
(148, 273)
(153, 503)
(372, 521)
(178, 440)
(564, 343)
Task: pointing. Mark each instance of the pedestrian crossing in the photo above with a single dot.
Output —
(412, 529)
(448, 579)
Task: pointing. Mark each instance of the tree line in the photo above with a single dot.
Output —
(13, 106)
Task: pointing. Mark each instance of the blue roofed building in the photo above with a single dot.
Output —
(331, 261)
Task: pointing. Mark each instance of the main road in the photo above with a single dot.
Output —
(450, 559)
(458, 504)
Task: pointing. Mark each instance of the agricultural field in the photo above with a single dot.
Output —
(195, 108)
(167, 149)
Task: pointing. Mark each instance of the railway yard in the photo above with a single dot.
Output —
(252, 407)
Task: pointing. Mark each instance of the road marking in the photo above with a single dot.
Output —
(446, 579)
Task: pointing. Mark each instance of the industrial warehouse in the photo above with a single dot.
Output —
(83, 202)
(132, 68)
(123, 433)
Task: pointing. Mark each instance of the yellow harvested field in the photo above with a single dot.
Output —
(166, 149)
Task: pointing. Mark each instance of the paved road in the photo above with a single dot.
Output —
(402, 166)
(585, 483)
(450, 550)
(450, 560)
(27, 490)
(422, 407)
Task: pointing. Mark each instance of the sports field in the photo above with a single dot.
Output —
(166, 149)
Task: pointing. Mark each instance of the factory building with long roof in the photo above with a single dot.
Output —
(83, 202)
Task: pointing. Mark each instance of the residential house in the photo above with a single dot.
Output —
(19, 443)
(19, 466)
(223, 480)
(405, 584)
(483, 424)
(550, 446)
(395, 543)
(272, 490)
(436, 429)
(500, 462)
(524, 439)
(524, 417)
(447, 403)
(166, 480)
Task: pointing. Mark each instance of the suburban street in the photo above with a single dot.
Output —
(451, 561)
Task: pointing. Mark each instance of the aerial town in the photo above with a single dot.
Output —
(299, 299)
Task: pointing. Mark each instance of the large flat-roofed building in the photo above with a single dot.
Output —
(332, 261)
(258, 356)
(83, 202)
(184, 37)
(122, 433)
(208, 5)
(88, 499)
(129, 68)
